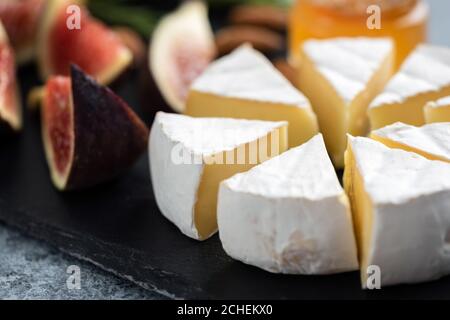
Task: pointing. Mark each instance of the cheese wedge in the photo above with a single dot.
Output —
(438, 111)
(289, 214)
(189, 157)
(245, 85)
(423, 77)
(431, 141)
(401, 211)
(341, 77)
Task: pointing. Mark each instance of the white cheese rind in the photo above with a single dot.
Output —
(175, 186)
(289, 215)
(175, 183)
(247, 74)
(348, 63)
(426, 70)
(305, 171)
(411, 212)
(433, 139)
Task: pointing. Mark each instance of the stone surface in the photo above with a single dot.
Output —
(30, 269)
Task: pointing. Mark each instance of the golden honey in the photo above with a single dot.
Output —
(403, 20)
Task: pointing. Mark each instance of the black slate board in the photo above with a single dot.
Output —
(119, 227)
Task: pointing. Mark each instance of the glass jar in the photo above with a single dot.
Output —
(403, 20)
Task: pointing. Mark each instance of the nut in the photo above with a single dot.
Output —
(262, 39)
(267, 16)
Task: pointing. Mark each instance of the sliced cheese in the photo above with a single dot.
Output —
(245, 85)
(289, 214)
(438, 111)
(423, 77)
(431, 141)
(189, 157)
(341, 77)
(401, 210)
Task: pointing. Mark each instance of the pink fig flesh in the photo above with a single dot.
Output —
(90, 134)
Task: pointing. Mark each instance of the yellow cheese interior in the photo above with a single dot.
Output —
(409, 112)
(302, 121)
(205, 217)
(336, 116)
(362, 211)
(441, 114)
(396, 145)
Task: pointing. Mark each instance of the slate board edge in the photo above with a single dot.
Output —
(63, 242)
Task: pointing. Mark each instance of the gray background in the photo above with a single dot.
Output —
(30, 269)
(439, 32)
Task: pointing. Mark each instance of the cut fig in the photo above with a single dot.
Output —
(92, 46)
(10, 107)
(182, 47)
(134, 42)
(90, 134)
(21, 21)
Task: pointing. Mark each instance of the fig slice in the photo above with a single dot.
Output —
(182, 47)
(10, 106)
(90, 135)
(21, 21)
(91, 44)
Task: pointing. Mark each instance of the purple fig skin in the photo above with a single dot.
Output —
(108, 136)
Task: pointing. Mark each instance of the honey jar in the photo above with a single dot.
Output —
(403, 20)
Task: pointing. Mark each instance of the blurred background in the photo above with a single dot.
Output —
(278, 27)
(112, 11)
